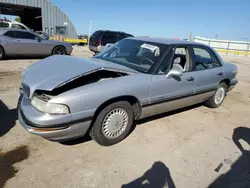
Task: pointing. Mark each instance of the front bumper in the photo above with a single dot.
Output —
(52, 127)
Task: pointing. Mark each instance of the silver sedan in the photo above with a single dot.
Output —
(64, 97)
(17, 42)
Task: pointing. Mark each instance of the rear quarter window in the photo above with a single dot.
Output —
(97, 34)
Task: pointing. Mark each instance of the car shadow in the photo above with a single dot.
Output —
(8, 160)
(239, 174)
(158, 176)
(87, 138)
(7, 119)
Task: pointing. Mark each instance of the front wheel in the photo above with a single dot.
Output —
(216, 100)
(59, 50)
(113, 123)
(2, 53)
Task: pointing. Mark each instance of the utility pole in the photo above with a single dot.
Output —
(90, 23)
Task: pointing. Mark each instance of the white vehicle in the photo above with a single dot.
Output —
(4, 23)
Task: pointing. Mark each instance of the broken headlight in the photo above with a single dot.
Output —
(47, 107)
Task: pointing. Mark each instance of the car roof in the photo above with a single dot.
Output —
(102, 30)
(166, 41)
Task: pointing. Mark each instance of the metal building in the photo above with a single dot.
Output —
(40, 15)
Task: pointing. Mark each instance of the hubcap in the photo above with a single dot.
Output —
(60, 51)
(219, 95)
(115, 123)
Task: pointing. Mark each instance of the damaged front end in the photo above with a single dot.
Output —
(40, 98)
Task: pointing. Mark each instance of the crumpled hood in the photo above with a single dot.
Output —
(54, 71)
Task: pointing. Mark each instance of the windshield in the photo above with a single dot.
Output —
(135, 54)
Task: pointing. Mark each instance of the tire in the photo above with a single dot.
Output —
(59, 50)
(215, 103)
(103, 135)
(2, 53)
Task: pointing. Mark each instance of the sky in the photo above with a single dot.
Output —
(228, 19)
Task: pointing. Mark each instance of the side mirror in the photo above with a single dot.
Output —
(38, 39)
(176, 71)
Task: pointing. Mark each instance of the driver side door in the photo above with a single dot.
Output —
(27, 43)
(171, 93)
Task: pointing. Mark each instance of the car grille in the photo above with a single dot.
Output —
(25, 90)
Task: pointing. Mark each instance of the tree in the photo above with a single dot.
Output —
(18, 19)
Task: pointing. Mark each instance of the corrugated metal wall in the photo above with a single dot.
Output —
(52, 16)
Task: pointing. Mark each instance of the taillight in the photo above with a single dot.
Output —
(100, 42)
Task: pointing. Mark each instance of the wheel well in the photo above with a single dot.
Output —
(226, 81)
(2, 48)
(58, 46)
(131, 99)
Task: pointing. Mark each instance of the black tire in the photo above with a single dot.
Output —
(212, 102)
(2, 53)
(96, 132)
(59, 50)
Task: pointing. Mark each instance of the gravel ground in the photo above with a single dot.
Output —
(180, 149)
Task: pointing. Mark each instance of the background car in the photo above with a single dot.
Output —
(100, 38)
(18, 42)
(4, 23)
(64, 97)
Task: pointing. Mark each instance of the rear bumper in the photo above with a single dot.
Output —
(51, 128)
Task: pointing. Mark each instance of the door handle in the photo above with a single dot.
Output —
(190, 78)
(220, 73)
(17, 40)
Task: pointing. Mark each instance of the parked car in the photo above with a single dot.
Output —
(43, 34)
(64, 97)
(17, 42)
(100, 38)
(4, 23)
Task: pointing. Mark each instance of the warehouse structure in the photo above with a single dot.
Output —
(40, 15)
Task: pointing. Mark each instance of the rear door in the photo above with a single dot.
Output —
(207, 70)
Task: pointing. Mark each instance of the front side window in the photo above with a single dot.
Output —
(135, 54)
(17, 26)
(176, 55)
(203, 59)
(25, 35)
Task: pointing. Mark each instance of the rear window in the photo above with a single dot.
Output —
(4, 25)
(97, 34)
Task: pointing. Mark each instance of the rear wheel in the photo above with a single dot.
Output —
(216, 100)
(59, 50)
(2, 53)
(113, 123)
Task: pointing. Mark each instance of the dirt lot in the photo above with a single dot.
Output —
(180, 149)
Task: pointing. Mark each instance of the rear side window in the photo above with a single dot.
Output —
(10, 34)
(24, 35)
(4, 25)
(110, 37)
(203, 59)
